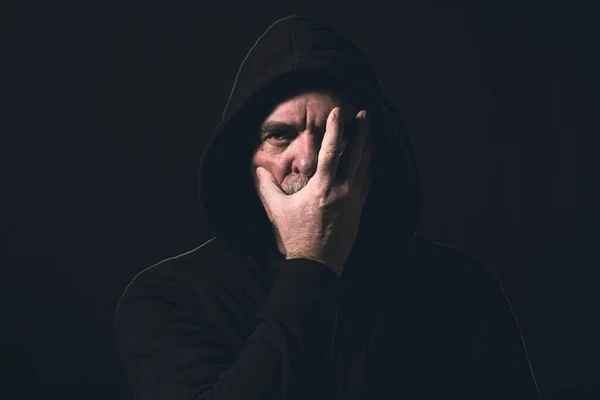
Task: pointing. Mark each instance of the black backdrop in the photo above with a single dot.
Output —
(108, 106)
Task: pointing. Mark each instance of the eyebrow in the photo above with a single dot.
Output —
(269, 127)
(275, 126)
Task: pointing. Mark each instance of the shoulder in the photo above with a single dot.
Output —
(167, 299)
(186, 276)
(207, 281)
(198, 266)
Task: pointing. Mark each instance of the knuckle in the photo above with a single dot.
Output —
(344, 189)
(333, 152)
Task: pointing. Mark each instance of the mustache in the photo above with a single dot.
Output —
(295, 184)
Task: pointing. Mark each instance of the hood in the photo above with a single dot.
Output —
(292, 53)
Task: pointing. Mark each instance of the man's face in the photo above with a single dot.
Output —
(290, 137)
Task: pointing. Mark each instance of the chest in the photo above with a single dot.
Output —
(416, 347)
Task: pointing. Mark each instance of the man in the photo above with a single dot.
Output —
(315, 286)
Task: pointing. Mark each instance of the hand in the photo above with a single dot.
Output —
(321, 221)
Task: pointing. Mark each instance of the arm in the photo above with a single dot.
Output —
(504, 372)
(171, 351)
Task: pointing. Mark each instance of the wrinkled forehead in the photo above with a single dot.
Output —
(264, 103)
(312, 105)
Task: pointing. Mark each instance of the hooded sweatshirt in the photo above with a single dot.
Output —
(233, 319)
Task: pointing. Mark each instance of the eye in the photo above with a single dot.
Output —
(280, 136)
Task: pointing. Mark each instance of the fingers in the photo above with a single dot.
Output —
(357, 148)
(268, 190)
(331, 146)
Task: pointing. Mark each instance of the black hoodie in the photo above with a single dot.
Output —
(408, 319)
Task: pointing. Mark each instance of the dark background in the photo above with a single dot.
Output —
(107, 107)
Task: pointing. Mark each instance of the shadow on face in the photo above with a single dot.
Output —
(290, 137)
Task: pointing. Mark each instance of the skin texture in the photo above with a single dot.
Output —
(291, 156)
(311, 170)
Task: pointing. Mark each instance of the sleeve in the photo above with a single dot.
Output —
(504, 371)
(171, 351)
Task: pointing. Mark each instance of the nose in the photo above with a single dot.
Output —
(306, 153)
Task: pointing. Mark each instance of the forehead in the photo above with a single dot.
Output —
(315, 105)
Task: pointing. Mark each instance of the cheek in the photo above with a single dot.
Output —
(271, 162)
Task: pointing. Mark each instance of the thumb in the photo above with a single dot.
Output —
(267, 186)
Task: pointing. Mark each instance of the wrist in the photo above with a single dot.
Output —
(337, 268)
